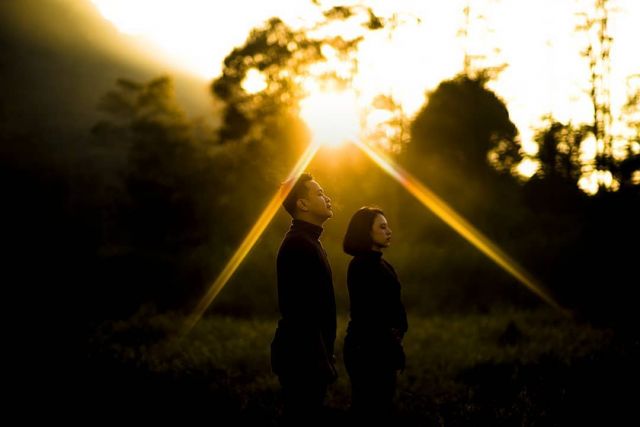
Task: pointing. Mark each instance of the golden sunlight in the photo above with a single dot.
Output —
(528, 167)
(446, 213)
(250, 239)
(332, 117)
(195, 35)
(592, 181)
(545, 72)
(254, 81)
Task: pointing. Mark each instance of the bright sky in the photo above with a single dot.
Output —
(546, 73)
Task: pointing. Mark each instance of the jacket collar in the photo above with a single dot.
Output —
(307, 228)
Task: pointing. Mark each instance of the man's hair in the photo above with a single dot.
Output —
(358, 240)
(298, 191)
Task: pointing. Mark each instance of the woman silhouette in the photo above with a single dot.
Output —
(373, 350)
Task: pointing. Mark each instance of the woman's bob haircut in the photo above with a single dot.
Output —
(358, 240)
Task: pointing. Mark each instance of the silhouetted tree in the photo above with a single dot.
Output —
(465, 128)
(280, 55)
(268, 119)
(161, 213)
(393, 133)
(559, 151)
(597, 52)
(627, 171)
(465, 148)
(483, 60)
(580, 237)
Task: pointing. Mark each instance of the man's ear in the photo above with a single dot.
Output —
(302, 205)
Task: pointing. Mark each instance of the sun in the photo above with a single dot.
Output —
(333, 117)
(546, 72)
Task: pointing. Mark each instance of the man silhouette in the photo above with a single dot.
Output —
(302, 349)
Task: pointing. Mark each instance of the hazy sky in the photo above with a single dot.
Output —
(60, 56)
(546, 73)
(78, 55)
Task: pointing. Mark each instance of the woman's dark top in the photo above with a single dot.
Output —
(378, 318)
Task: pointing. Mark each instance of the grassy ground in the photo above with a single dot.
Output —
(508, 367)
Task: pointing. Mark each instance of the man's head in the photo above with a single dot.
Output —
(308, 202)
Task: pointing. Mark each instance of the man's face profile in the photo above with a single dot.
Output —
(315, 202)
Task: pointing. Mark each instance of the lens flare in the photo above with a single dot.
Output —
(474, 236)
(251, 238)
(427, 197)
(332, 117)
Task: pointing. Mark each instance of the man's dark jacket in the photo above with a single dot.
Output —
(304, 341)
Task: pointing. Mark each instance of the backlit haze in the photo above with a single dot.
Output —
(537, 39)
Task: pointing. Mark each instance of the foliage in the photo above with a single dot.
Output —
(159, 219)
(466, 126)
(464, 148)
(559, 151)
(168, 207)
(625, 169)
(506, 366)
(284, 58)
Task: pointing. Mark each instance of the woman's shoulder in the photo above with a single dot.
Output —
(386, 265)
(356, 262)
(359, 259)
(364, 261)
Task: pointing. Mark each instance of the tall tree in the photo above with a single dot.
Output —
(162, 212)
(597, 52)
(559, 151)
(467, 127)
(627, 170)
(465, 148)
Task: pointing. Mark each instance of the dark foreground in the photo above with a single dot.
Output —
(505, 368)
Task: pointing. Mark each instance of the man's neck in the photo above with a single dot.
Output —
(311, 219)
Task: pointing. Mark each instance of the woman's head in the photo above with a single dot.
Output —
(368, 230)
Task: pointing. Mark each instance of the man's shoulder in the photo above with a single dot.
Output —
(296, 242)
(298, 237)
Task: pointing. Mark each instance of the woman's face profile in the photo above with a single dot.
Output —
(380, 233)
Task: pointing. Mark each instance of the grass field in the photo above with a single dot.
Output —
(502, 368)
